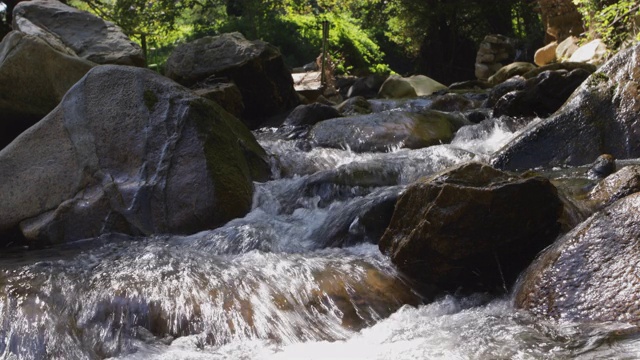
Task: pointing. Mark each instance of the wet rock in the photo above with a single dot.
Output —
(509, 71)
(363, 220)
(591, 273)
(33, 79)
(311, 114)
(256, 67)
(622, 183)
(227, 95)
(357, 105)
(600, 117)
(128, 151)
(542, 95)
(513, 84)
(471, 227)
(366, 87)
(396, 87)
(76, 32)
(454, 102)
(386, 130)
(604, 166)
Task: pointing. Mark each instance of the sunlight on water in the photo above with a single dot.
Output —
(485, 138)
(299, 277)
(451, 328)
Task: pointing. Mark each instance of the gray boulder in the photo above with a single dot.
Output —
(601, 116)
(130, 151)
(386, 130)
(77, 32)
(33, 79)
(472, 227)
(227, 95)
(590, 274)
(256, 67)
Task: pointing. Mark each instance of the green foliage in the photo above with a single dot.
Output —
(615, 22)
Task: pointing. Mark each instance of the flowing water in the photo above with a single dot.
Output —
(300, 277)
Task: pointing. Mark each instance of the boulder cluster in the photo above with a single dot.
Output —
(92, 142)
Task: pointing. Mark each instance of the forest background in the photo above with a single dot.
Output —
(437, 38)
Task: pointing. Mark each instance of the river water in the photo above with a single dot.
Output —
(297, 278)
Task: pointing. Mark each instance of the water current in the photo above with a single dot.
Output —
(297, 278)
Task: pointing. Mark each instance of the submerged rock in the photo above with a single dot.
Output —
(128, 151)
(590, 274)
(601, 116)
(386, 130)
(33, 79)
(472, 227)
(256, 67)
(77, 32)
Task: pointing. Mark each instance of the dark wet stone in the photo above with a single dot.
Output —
(600, 117)
(472, 227)
(591, 273)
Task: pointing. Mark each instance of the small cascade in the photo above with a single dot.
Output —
(299, 276)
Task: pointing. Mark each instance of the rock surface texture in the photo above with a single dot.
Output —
(600, 117)
(592, 273)
(541, 96)
(76, 32)
(471, 227)
(256, 67)
(386, 130)
(128, 151)
(33, 79)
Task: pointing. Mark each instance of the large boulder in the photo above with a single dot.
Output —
(77, 32)
(227, 95)
(256, 67)
(472, 227)
(601, 116)
(33, 79)
(590, 274)
(130, 151)
(541, 96)
(387, 130)
(396, 87)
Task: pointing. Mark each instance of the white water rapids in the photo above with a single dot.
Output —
(273, 286)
